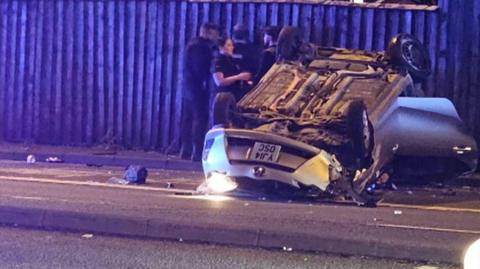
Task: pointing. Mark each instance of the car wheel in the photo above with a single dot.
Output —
(404, 50)
(289, 43)
(224, 106)
(359, 130)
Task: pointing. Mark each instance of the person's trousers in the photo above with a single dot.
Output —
(194, 123)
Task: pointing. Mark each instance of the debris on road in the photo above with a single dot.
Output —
(53, 160)
(116, 180)
(105, 152)
(449, 192)
(426, 267)
(135, 174)
(397, 212)
(287, 249)
(94, 165)
(31, 159)
(87, 235)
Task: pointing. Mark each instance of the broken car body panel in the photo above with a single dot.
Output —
(343, 119)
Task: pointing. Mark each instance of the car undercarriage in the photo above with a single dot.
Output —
(334, 120)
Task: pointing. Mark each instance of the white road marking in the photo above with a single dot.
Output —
(191, 192)
(35, 198)
(28, 198)
(95, 184)
(432, 208)
(434, 229)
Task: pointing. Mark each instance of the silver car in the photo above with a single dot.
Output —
(336, 122)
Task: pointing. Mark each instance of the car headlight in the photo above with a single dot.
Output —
(472, 256)
(220, 183)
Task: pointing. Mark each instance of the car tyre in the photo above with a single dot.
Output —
(406, 51)
(360, 130)
(224, 106)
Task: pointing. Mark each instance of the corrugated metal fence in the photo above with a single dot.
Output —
(78, 72)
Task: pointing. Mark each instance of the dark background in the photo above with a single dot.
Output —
(88, 72)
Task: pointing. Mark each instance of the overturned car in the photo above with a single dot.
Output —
(337, 122)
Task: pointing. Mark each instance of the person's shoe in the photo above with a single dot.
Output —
(185, 154)
(196, 155)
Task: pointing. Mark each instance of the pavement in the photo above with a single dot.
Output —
(424, 233)
(96, 156)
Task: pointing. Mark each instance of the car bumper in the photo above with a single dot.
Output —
(228, 152)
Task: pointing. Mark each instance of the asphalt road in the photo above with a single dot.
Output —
(21, 248)
(413, 223)
(455, 196)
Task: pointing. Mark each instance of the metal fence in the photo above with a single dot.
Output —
(77, 72)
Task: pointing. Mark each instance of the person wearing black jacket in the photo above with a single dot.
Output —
(198, 58)
(245, 52)
(227, 74)
(268, 56)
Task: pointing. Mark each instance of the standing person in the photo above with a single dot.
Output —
(199, 56)
(268, 56)
(227, 74)
(245, 52)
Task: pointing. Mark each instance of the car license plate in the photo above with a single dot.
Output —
(265, 152)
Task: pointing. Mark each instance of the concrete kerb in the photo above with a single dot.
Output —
(221, 234)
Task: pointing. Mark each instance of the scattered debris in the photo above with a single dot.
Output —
(31, 159)
(287, 249)
(426, 267)
(438, 185)
(397, 212)
(135, 174)
(105, 152)
(449, 192)
(94, 165)
(53, 160)
(116, 180)
(87, 235)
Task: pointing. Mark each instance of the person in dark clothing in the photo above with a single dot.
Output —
(198, 57)
(245, 52)
(227, 74)
(268, 56)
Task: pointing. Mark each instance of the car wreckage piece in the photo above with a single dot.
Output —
(338, 121)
